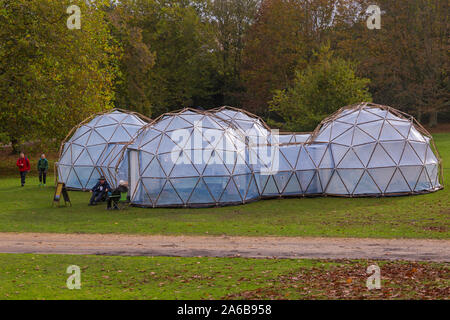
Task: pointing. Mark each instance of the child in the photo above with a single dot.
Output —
(42, 167)
(24, 166)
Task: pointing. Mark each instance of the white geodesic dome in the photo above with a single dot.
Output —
(91, 141)
(191, 158)
(378, 150)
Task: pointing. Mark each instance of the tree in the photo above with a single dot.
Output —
(230, 20)
(183, 72)
(136, 60)
(407, 59)
(322, 88)
(52, 77)
(282, 40)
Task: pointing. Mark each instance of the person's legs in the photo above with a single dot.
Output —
(22, 177)
(44, 177)
(40, 177)
(109, 203)
(100, 196)
(94, 195)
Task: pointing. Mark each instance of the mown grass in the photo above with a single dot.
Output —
(29, 209)
(27, 276)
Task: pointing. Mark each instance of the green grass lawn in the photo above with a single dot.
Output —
(26, 276)
(29, 209)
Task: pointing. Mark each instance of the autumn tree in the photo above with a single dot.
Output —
(407, 59)
(230, 20)
(178, 47)
(326, 85)
(282, 40)
(52, 77)
(136, 59)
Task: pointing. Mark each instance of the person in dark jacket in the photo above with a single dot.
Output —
(24, 166)
(115, 194)
(42, 167)
(99, 191)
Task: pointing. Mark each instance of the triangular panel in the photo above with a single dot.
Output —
(305, 177)
(216, 186)
(293, 186)
(389, 133)
(364, 152)
(304, 161)
(350, 177)
(270, 187)
(168, 196)
(411, 173)
(398, 184)
(252, 192)
(336, 186)
(380, 158)
(382, 176)
(281, 179)
(231, 194)
(394, 149)
(366, 185)
(409, 157)
(184, 187)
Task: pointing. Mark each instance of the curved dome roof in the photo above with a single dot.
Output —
(192, 157)
(88, 143)
(365, 123)
(251, 126)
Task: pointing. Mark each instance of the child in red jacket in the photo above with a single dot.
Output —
(24, 166)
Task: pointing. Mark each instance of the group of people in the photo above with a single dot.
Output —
(100, 192)
(23, 163)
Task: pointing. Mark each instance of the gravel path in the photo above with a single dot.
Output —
(223, 246)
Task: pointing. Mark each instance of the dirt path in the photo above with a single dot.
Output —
(216, 246)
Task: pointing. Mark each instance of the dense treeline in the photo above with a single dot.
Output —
(290, 61)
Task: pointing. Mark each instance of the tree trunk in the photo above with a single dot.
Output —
(433, 119)
(419, 115)
(15, 146)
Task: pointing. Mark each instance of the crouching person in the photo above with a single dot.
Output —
(99, 191)
(115, 194)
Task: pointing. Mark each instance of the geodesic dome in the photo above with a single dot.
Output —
(377, 150)
(193, 158)
(91, 141)
(190, 158)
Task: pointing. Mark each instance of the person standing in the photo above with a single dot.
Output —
(24, 166)
(42, 167)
